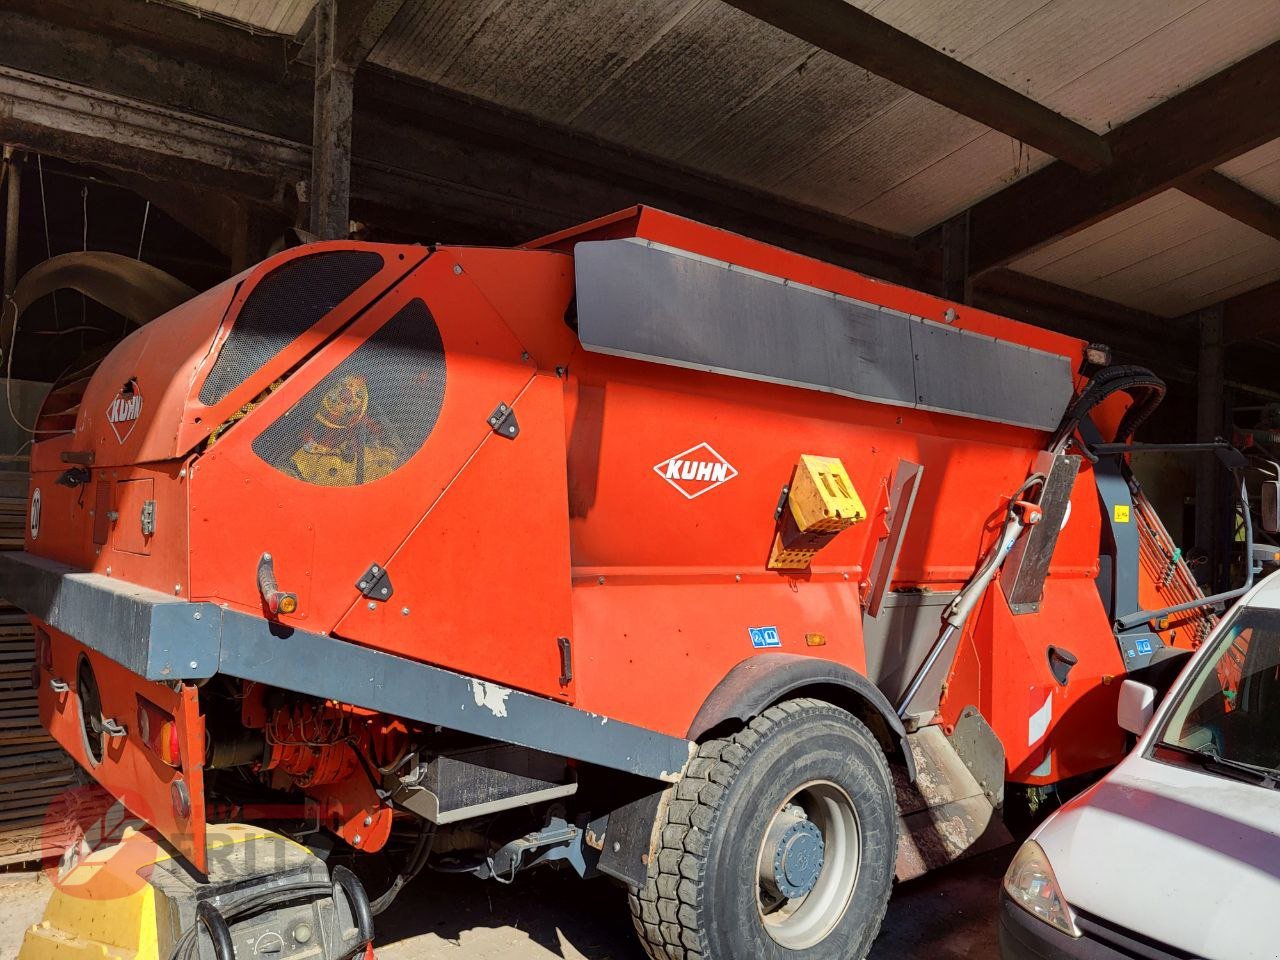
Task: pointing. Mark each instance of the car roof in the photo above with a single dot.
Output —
(1265, 594)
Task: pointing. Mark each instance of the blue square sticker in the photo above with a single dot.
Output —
(763, 637)
(1143, 646)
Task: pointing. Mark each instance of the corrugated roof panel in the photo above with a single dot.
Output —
(1259, 170)
(702, 83)
(1190, 48)
(825, 100)
(1225, 239)
(699, 82)
(1151, 229)
(1041, 258)
(1269, 275)
(687, 78)
(546, 59)
(268, 16)
(1213, 282)
(1063, 55)
(430, 34)
(983, 166)
(1167, 255)
(905, 138)
(853, 170)
(1060, 42)
(804, 110)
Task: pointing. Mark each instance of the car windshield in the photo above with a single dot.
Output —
(1229, 713)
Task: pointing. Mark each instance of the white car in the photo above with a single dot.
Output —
(1176, 853)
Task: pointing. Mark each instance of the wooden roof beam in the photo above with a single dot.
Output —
(1235, 200)
(840, 28)
(1177, 141)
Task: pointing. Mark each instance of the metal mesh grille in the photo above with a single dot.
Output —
(371, 414)
(281, 307)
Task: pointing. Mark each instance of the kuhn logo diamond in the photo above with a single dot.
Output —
(696, 470)
(124, 411)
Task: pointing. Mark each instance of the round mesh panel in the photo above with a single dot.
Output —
(284, 304)
(371, 414)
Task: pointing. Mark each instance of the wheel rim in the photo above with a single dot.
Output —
(808, 865)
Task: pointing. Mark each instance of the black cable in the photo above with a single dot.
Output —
(414, 864)
(345, 881)
(184, 948)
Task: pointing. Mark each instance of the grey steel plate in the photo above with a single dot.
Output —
(644, 300)
(160, 637)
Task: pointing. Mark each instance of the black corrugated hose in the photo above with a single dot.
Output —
(1145, 387)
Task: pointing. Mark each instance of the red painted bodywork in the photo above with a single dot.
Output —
(498, 548)
(129, 769)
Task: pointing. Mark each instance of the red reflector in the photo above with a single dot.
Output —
(44, 649)
(170, 751)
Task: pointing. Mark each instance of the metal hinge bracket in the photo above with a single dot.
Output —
(503, 421)
(375, 583)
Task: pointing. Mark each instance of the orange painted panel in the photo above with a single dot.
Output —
(649, 651)
(132, 498)
(482, 582)
(68, 521)
(1050, 732)
(129, 770)
(324, 537)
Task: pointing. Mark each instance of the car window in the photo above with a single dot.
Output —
(1231, 707)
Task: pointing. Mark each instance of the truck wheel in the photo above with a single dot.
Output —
(778, 842)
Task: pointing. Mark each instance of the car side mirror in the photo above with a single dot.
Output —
(1271, 506)
(1136, 707)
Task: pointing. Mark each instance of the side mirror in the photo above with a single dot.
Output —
(1271, 506)
(1136, 707)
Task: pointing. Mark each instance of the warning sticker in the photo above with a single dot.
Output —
(764, 637)
(1121, 513)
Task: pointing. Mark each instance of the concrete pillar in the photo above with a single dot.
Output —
(1211, 517)
(330, 185)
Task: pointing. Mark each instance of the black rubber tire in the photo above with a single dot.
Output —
(700, 899)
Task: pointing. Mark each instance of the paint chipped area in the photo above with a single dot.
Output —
(490, 696)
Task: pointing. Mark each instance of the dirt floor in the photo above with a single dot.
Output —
(948, 915)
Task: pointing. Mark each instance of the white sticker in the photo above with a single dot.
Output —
(696, 470)
(1038, 722)
(35, 513)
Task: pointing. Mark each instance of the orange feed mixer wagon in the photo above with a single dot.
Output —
(645, 550)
